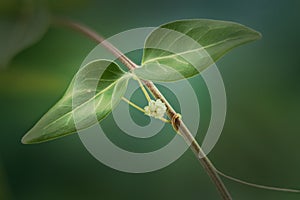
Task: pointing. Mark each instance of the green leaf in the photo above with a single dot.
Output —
(182, 49)
(22, 30)
(95, 90)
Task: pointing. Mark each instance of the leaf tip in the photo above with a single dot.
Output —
(25, 139)
(258, 35)
(29, 138)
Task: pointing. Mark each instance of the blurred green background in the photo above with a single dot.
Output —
(260, 140)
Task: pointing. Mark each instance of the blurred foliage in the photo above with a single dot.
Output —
(260, 141)
(4, 193)
(9, 7)
(21, 30)
(24, 22)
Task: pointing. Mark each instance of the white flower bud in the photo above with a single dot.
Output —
(155, 109)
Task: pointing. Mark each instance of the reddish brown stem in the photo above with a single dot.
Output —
(178, 124)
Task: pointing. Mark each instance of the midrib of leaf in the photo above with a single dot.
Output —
(94, 97)
(189, 51)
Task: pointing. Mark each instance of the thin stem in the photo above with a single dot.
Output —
(95, 37)
(178, 123)
(165, 120)
(257, 185)
(142, 110)
(143, 89)
(133, 104)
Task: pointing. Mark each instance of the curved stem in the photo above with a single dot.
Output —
(97, 38)
(178, 123)
(257, 185)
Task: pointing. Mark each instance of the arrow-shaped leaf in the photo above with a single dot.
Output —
(182, 49)
(95, 90)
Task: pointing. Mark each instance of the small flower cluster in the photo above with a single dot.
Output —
(155, 109)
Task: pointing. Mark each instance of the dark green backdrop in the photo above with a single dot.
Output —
(260, 141)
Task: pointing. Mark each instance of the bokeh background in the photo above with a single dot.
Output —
(260, 141)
